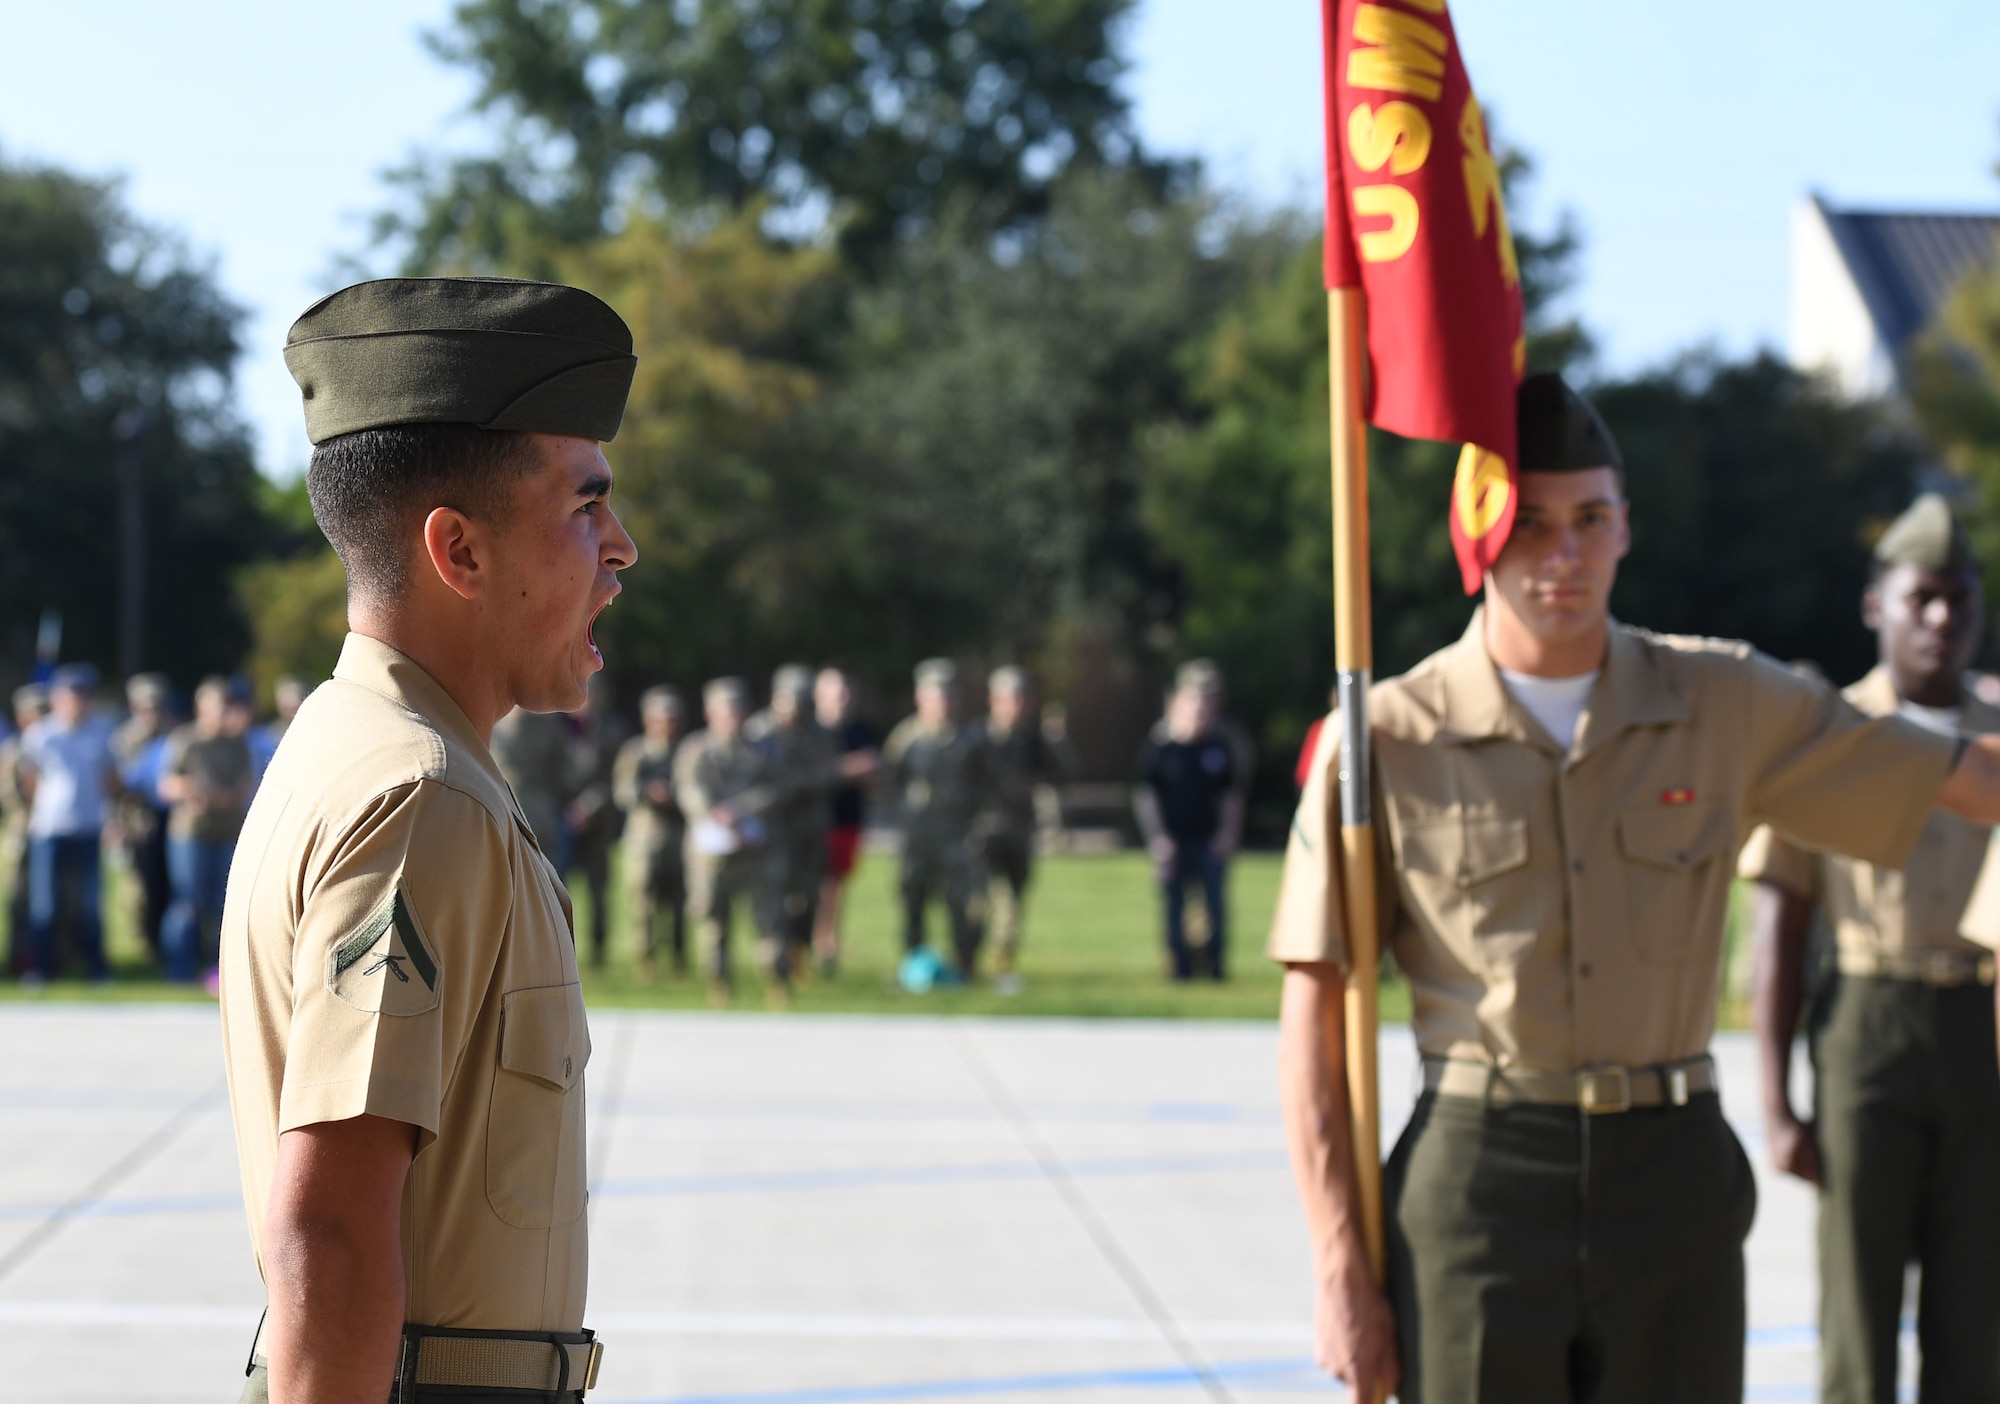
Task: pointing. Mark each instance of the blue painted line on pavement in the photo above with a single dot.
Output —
(888, 1109)
(86, 1099)
(1162, 1377)
(872, 1176)
(746, 1182)
(1778, 1337)
(1294, 1375)
(129, 1208)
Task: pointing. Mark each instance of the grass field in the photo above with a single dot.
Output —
(1093, 949)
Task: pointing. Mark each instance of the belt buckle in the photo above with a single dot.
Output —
(1677, 1085)
(596, 1353)
(1602, 1090)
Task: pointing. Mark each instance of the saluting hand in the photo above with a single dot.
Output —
(1354, 1335)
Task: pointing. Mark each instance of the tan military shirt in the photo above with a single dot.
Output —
(1561, 909)
(395, 944)
(1878, 910)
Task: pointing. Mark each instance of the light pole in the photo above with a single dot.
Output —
(127, 429)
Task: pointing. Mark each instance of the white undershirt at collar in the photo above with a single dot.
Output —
(1943, 720)
(1557, 703)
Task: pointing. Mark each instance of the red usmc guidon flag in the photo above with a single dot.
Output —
(1414, 218)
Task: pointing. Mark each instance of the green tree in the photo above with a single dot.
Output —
(295, 599)
(880, 114)
(298, 616)
(998, 403)
(735, 510)
(1955, 389)
(113, 341)
(935, 462)
(1756, 493)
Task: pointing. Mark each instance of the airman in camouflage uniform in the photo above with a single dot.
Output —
(591, 814)
(655, 870)
(1025, 753)
(722, 784)
(803, 767)
(142, 821)
(532, 750)
(937, 768)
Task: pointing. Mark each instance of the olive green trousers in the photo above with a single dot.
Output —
(1908, 1120)
(1540, 1255)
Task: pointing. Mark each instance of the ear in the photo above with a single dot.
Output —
(1871, 607)
(455, 546)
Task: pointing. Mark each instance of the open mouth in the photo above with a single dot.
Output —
(590, 632)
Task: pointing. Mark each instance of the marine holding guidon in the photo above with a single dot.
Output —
(1560, 801)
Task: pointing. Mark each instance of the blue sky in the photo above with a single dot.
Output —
(1679, 136)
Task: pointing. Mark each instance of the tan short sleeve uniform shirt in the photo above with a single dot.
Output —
(395, 944)
(1560, 909)
(1882, 912)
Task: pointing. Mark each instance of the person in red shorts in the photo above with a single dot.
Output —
(860, 753)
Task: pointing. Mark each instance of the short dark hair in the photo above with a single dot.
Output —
(371, 489)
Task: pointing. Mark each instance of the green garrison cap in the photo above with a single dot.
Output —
(496, 352)
(937, 672)
(663, 699)
(1010, 677)
(794, 680)
(1559, 431)
(1928, 537)
(728, 692)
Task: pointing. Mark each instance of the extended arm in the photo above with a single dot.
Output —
(333, 1260)
(1780, 922)
(1353, 1330)
(1972, 790)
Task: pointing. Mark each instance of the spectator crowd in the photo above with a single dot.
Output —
(758, 813)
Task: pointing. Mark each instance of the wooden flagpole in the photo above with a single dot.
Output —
(1353, 656)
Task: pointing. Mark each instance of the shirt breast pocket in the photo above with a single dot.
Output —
(534, 1133)
(1464, 873)
(1672, 853)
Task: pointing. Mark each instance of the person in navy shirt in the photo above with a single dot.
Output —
(1189, 803)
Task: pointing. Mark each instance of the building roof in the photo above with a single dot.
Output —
(1905, 264)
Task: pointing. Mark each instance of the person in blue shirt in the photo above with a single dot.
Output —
(70, 775)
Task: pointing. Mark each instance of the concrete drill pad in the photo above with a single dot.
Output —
(785, 1211)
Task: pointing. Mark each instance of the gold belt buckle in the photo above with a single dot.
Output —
(1601, 1090)
(1939, 968)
